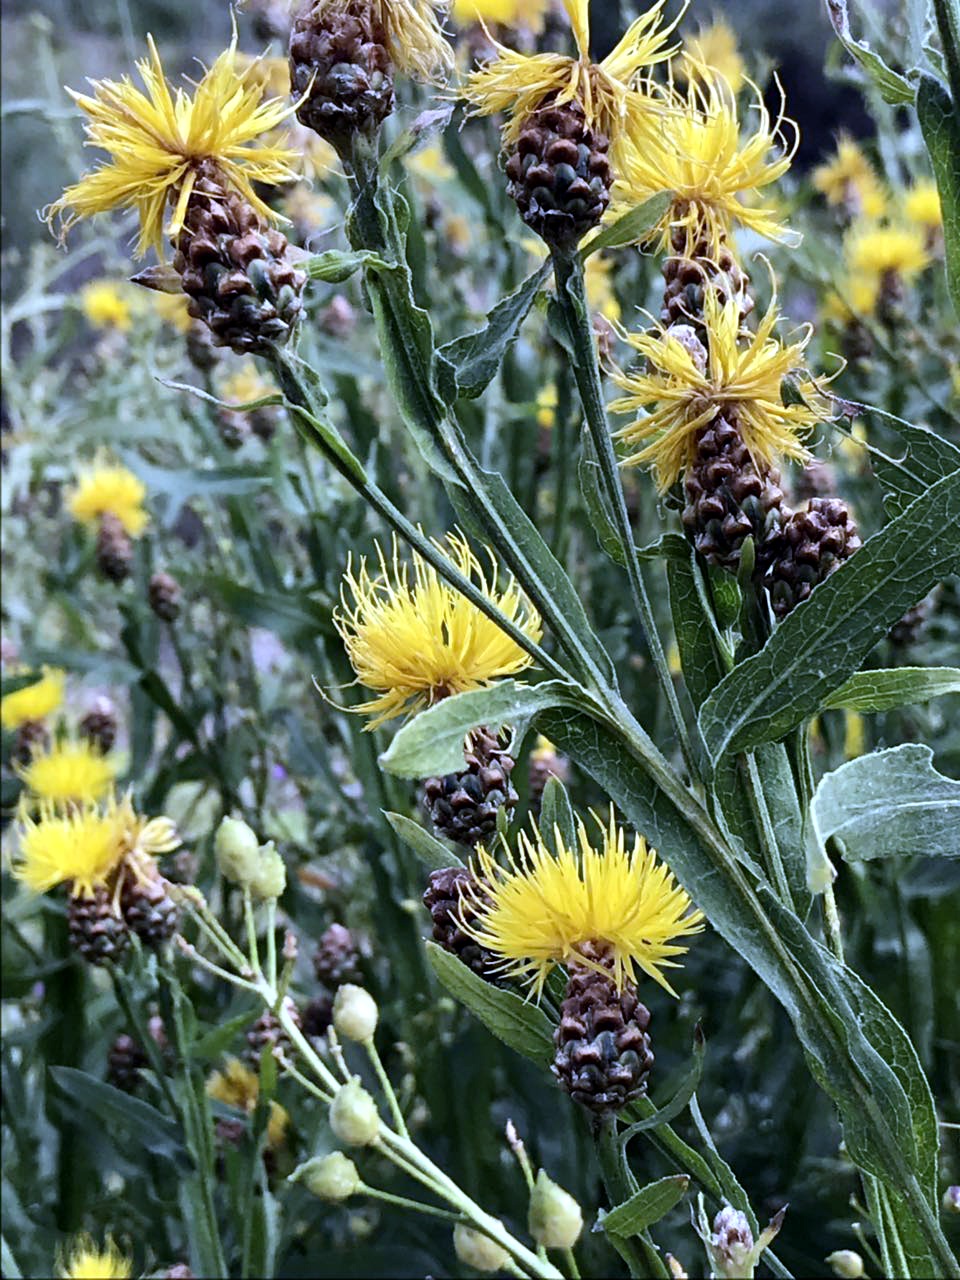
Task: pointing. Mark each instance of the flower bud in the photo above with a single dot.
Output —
(554, 1220)
(731, 1244)
(333, 1177)
(354, 1117)
(355, 1013)
(951, 1200)
(477, 1250)
(270, 877)
(846, 1263)
(237, 851)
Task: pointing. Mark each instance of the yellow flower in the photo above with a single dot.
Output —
(310, 155)
(68, 772)
(172, 309)
(547, 908)
(413, 639)
(599, 285)
(714, 48)
(608, 91)
(431, 164)
(854, 735)
(849, 179)
(105, 305)
(880, 249)
(508, 13)
(159, 142)
(238, 1086)
(34, 701)
(547, 401)
(698, 155)
(101, 489)
(83, 847)
(85, 1261)
(742, 381)
(246, 384)
(854, 297)
(922, 204)
(307, 208)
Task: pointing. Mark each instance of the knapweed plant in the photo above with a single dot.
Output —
(492, 389)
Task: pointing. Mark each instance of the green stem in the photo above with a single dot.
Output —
(387, 1088)
(617, 1183)
(572, 296)
(768, 837)
(401, 1202)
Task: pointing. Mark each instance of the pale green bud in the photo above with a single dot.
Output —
(355, 1013)
(554, 1220)
(846, 1263)
(354, 1117)
(477, 1250)
(237, 851)
(270, 878)
(332, 1177)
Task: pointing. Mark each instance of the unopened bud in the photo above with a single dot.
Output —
(732, 1241)
(354, 1118)
(846, 1263)
(237, 850)
(270, 877)
(355, 1013)
(333, 1177)
(554, 1220)
(477, 1250)
(951, 1200)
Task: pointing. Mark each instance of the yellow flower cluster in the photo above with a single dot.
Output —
(413, 639)
(104, 489)
(849, 181)
(555, 904)
(874, 255)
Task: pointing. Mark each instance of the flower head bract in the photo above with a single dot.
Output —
(558, 904)
(414, 639)
(159, 141)
(103, 489)
(740, 378)
(609, 91)
(412, 34)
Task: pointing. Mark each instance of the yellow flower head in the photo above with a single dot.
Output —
(143, 838)
(922, 204)
(237, 1086)
(741, 380)
(106, 305)
(34, 701)
(158, 141)
(714, 49)
(413, 639)
(69, 772)
(849, 179)
(103, 489)
(697, 154)
(548, 399)
(547, 908)
(246, 384)
(608, 91)
(84, 1261)
(83, 848)
(881, 249)
(508, 13)
(854, 297)
(172, 309)
(413, 37)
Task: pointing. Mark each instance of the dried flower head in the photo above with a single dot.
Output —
(69, 772)
(114, 490)
(34, 701)
(609, 91)
(697, 153)
(84, 1261)
(544, 907)
(237, 1086)
(850, 180)
(158, 142)
(740, 377)
(413, 639)
(714, 50)
(413, 37)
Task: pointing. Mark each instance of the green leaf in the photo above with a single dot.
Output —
(926, 458)
(8, 1264)
(158, 691)
(698, 642)
(144, 1124)
(647, 1206)
(289, 615)
(476, 357)
(334, 266)
(432, 742)
(633, 227)
(890, 804)
(215, 1042)
(824, 640)
(939, 119)
(433, 853)
(895, 687)
(556, 814)
(681, 1098)
(424, 126)
(519, 1023)
(893, 87)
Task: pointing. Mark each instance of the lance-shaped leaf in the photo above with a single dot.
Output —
(894, 88)
(890, 804)
(896, 687)
(939, 117)
(645, 1207)
(824, 640)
